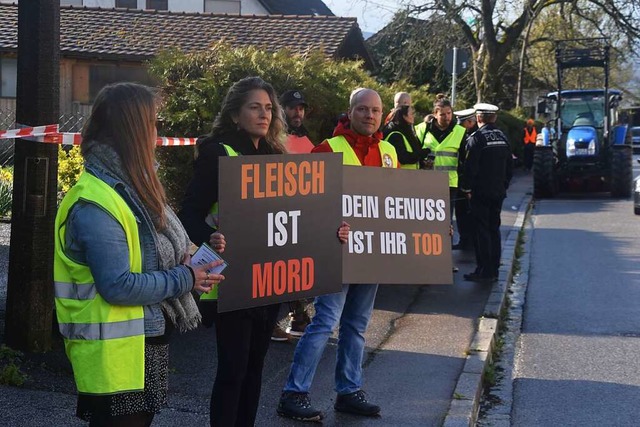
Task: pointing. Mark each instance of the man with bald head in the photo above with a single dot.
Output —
(358, 138)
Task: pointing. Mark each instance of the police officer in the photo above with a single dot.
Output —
(466, 119)
(487, 173)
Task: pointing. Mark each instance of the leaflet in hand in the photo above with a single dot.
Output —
(205, 255)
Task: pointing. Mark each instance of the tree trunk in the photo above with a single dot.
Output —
(30, 280)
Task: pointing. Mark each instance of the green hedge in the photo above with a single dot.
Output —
(195, 84)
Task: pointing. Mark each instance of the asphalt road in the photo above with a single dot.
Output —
(577, 359)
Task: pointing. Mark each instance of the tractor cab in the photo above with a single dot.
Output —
(589, 148)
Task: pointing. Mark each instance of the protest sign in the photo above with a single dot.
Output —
(280, 215)
(399, 226)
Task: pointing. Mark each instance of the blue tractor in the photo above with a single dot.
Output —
(584, 147)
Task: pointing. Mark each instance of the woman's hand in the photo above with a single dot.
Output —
(217, 242)
(343, 232)
(205, 281)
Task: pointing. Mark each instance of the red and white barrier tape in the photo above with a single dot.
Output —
(49, 134)
(28, 131)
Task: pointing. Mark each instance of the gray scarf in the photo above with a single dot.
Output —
(171, 243)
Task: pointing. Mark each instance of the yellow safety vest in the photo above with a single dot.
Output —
(339, 144)
(412, 166)
(421, 131)
(446, 152)
(104, 342)
(213, 294)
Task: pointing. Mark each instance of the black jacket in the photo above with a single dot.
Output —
(202, 191)
(488, 166)
(404, 156)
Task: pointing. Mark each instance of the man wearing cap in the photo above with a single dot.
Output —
(297, 142)
(295, 106)
(487, 173)
(529, 140)
(466, 119)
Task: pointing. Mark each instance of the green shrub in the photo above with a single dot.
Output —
(513, 127)
(9, 354)
(195, 84)
(12, 375)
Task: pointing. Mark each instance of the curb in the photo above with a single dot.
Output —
(465, 402)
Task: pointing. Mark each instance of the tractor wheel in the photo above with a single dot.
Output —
(544, 176)
(621, 171)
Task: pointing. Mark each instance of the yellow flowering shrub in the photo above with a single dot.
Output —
(70, 166)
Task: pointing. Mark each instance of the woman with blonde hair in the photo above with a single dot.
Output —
(121, 266)
(251, 122)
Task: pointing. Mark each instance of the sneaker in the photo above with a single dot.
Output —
(298, 325)
(279, 335)
(356, 403)
(297, 406)
(455, 269)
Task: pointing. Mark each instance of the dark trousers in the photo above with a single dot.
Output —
(486, 216)
(242, 338)
(464, 220)
(528, 155)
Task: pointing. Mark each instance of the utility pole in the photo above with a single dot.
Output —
(30, 281)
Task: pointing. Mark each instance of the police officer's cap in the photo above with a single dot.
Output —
(484, 108)
(462, 115)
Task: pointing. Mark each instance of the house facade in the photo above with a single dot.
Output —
(100, 46)
(244, 7)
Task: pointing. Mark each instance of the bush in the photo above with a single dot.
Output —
(70, 166)
(6, 190)
(513, 127)
(195, 84)
(10, 373)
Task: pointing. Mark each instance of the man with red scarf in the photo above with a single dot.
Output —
(358, 138)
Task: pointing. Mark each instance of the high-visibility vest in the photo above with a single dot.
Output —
(104, 342)
(446, 152)
(421, 131)
(530, 136)
(339, 144)
(413, 166)
(213, 212)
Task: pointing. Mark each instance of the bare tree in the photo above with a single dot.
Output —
(494, 28)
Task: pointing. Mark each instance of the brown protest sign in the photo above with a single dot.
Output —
(399, 226)
(280, 215)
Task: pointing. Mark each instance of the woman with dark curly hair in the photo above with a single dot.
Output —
(250, 123)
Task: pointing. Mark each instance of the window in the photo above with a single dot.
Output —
(102, 75)
(129, 4)
(70, 2)
(9, 76)
(158, 4)
(222, 6)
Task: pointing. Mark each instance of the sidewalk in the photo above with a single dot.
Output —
(418, 344)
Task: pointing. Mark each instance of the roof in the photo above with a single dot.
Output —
(584, 92)
(137, 35)
(296, 7)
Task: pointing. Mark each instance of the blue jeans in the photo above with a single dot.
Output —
(352, 308)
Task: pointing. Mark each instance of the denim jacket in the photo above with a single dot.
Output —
(94, 238)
